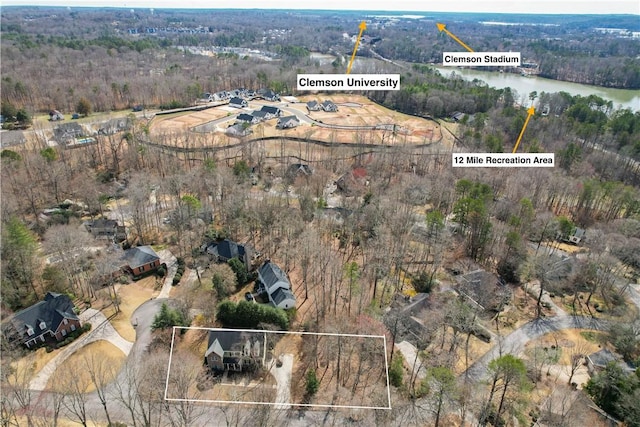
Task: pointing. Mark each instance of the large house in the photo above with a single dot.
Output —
(239, 129)
(329, 106)
(220, 96)
(109, 228)
(140, 259)
(261, 115)
(313, 106)
(53, 318)
(247, 118)
(235, 350)
(287, 122)
(225, 250)
(270, 95)
(271, 111)
(238, 102)
(273, 283)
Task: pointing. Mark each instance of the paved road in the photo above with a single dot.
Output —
(515, 342)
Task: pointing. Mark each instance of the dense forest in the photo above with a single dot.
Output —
(410, 227)
(580, 49)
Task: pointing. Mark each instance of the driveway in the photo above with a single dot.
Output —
(282, 375)
(101, 329)
(515, 342)
(166, 257)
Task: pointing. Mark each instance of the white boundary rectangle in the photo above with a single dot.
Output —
(282, 405)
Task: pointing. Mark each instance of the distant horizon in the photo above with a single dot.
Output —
(503, 7)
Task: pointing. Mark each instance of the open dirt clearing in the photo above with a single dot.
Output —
(353, 111)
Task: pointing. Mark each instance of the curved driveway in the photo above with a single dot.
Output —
(515, 342)
(101, 329)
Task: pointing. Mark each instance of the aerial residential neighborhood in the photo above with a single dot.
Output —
(189, 238)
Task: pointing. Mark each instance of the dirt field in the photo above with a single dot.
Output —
(184, 121)
(353, 110)
(104, 352)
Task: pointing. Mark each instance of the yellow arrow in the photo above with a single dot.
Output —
(443, 27)
(363, 26)
(530, 113)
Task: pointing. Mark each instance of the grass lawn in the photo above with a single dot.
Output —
(35, 359)
(131, 297)
(103, 350)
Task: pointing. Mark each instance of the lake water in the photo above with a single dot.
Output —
(624, 98)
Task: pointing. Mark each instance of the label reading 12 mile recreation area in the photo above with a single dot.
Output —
(503, 160)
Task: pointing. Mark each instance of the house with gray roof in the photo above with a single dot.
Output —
(225, 250)
(599, 360)
(236, 102)
(51, 319)
(261, 115)
(273, 283)
(239, 129)
(271, 111)
(220, 96)
(106, 228)
(287, 122)
(329, 106)
(270, 95)
(140, 259)
(313, 106)
(247, 118)
(234, 350)
(11, 138)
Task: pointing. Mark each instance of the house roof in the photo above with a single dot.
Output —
(140, 255)
(244, 117)
(236, 100)
(260, 114)
(280, 295)
(270, 94)
(238, 129)
(272, 277)
(270, 110)
(327, 104)
(12, 137)
(312, 104)
(286, 119)
(227, 249)
(221, 341)
(51, 311)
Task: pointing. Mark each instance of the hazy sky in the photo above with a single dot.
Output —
(494, 6)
